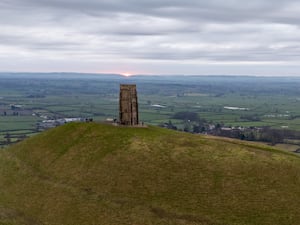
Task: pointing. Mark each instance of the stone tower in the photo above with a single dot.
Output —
(129, 114)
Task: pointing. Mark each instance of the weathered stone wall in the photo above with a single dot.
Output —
(128, 105)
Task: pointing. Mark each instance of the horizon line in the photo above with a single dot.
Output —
(138, 74)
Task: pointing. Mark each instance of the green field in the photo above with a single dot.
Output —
(89, 173)
(273, 102)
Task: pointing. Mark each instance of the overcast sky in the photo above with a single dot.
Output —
(257, 37)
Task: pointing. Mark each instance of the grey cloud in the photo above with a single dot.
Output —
(152, 31)
(214, 10)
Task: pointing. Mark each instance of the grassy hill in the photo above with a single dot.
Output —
(104, 175)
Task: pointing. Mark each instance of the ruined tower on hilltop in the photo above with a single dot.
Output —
(128, 105)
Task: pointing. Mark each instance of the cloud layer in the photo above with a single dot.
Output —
(141, 36)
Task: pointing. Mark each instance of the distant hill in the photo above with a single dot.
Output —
(88, 173)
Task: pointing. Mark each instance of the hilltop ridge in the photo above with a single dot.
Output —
(89, 173)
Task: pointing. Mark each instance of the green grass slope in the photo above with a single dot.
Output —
(97, 174)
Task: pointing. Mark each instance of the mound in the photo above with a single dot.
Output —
(100, 174)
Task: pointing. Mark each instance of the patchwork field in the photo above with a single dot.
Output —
(26, 100)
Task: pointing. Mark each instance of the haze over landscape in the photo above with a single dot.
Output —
(209, 136)
(151, 37)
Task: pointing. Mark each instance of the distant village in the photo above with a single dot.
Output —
(47, 122)
(196, 125)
